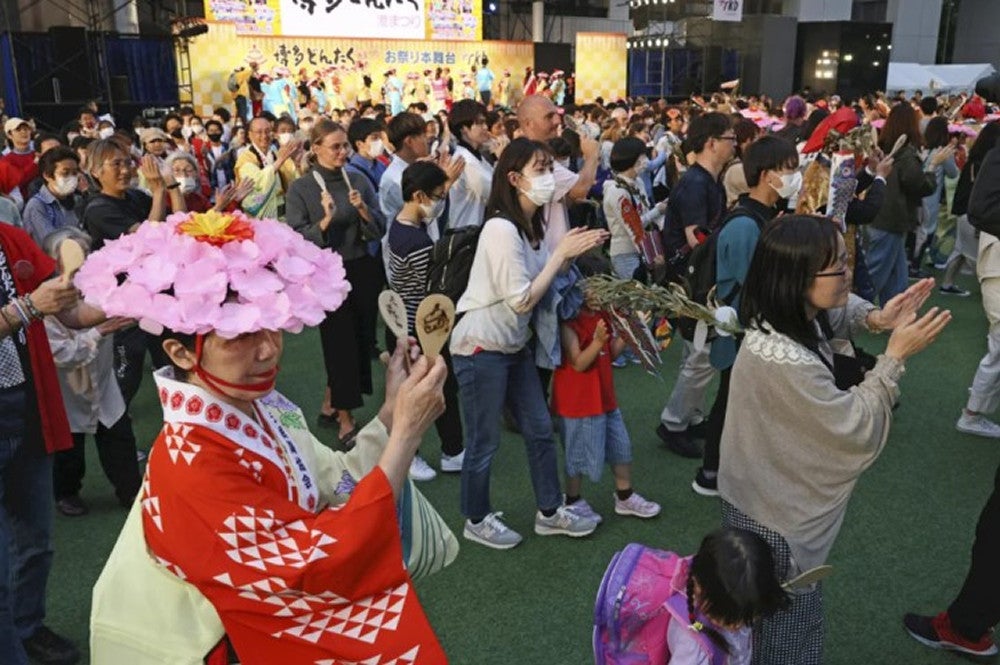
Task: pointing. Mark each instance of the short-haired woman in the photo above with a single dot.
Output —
(804, 420)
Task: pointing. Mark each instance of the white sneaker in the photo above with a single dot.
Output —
(584, 509)
(637, 506)
(978, 425)
(492, 532)
(420, 470)
(564, 523)
(452, 463)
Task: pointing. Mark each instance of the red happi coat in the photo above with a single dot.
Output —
(231, 507)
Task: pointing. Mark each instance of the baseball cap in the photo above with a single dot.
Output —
(13, 124)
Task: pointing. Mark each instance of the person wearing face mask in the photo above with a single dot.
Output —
(184, 169)
(511, 272)
(627, 208)
(106, 130)
(694, 209)
(272, 171)
(408, 256)
(284, 130)
(365, 136)
(467, 195)
(214, 156)
(771, 168)
(52, 208)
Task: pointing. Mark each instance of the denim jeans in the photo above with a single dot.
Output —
(487, 380)
(25, 542)
(625, 265)
(887, 264)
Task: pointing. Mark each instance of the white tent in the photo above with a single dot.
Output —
(934, 79)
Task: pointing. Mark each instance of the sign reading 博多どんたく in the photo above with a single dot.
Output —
(385, 19)
(341, 62)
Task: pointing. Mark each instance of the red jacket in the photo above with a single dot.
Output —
(21, 250)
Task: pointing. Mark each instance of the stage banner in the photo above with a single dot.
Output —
(601, 66)
(378, 19)
(343, 63)
(727, 10)
(250, 17)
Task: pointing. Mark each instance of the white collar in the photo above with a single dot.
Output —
(185, 404)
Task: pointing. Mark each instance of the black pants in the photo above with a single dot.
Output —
(716, 421)
(116, 450)
(348, 336)
(130, 354)
(976, 610)
(449, 423)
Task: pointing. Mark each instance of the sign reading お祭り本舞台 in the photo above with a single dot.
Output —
(381, 19)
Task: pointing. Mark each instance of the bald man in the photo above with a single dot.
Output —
(539, 120)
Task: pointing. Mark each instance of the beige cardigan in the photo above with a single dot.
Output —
(794, 444)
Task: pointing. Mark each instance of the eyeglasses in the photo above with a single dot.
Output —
(337, 147)
(832, 273)
(727, 138)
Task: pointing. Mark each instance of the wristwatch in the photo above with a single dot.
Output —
(174, 185)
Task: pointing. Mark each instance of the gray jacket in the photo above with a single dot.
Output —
(303, 211)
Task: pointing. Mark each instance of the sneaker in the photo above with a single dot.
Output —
(452, 463)
(940, 265)
(564, 523)
(918, 273)
(420, 470)
(141, 456)
(49, 648)
(637, 506)
(619, 362)
(978, 425)
(492, 532)
(679, 443)
(952, 290)
(72, 506)
(704, 485)
(937, 633)
(581, 508)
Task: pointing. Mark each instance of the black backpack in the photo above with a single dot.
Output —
(451, 261)
(701, 274)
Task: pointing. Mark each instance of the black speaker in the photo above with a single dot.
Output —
(119, 90)
(71, 64)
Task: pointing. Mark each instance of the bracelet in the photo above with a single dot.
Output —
(6, 319)
(32, 310)
(174, 185)
(21, 314)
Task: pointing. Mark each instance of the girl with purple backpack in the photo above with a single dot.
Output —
(696, 610)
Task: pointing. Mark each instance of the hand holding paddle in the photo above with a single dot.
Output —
(434, 321)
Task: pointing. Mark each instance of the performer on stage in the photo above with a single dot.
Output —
(240, 504)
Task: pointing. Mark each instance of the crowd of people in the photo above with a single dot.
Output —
(545, 194)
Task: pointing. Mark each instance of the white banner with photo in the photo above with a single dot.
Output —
(727, 10)
(384, 19)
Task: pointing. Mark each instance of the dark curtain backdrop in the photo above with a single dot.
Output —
(8, 89)
(150, 66)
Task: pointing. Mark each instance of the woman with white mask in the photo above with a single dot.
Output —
(511, 273)
(52, 208)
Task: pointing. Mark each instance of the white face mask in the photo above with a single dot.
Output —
(186, 132)
(791, 183)
(541, 189)
(107, 132)
(197, 129)
(431, 211)
(187, 184)
(564, 162)
(376, 148)
(65, 185)
(283, 138)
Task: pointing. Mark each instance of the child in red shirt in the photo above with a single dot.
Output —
(583, 395)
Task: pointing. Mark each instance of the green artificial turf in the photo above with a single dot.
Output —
(904, 545)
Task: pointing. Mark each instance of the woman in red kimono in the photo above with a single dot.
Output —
(237, 500)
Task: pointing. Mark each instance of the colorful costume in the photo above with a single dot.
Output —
(267, 200)
(246, 524)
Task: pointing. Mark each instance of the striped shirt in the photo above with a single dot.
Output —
(409, 252)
